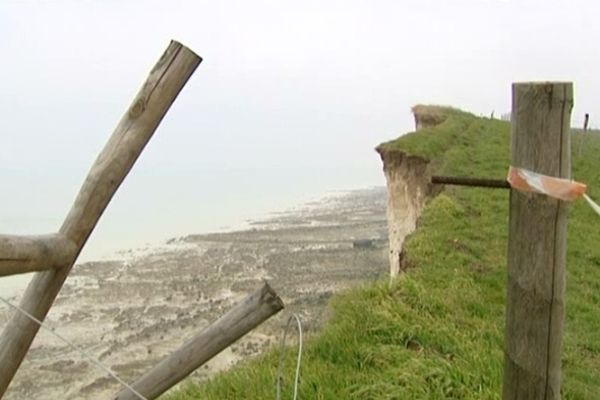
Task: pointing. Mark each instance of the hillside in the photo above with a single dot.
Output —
(437, 332)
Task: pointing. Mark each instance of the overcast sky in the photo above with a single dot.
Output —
(315, 83)
(310, 84)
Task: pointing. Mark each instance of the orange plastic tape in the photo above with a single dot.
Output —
(558, 188)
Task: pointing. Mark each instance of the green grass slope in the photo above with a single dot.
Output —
(437, 332)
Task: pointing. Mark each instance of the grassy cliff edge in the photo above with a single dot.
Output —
(437, 331)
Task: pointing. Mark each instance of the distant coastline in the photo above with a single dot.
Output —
(132, 311)
(107, 244)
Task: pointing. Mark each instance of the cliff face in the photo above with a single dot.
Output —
(408, 184)
(408, 179)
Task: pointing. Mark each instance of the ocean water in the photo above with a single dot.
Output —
(150, 208)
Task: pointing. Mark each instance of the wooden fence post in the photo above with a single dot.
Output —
(135, 129)
(245, 316)
(22, 254)
(541, 114)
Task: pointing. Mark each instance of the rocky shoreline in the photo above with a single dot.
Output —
(133, 311)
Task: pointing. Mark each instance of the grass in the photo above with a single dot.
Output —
(437, 332)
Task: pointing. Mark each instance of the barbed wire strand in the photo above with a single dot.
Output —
(74, 347)
(282, 356)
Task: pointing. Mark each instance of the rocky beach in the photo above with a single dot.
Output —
(131, 311)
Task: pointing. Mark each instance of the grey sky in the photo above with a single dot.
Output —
(310, 83)
(283, 84)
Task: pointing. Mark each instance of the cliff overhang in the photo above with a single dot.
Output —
(408, 163)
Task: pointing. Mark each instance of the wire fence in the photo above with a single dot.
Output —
(82, 352)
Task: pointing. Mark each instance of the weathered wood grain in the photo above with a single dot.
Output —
(22, 254)
(241, 319)
(541, 114)
(135, 129)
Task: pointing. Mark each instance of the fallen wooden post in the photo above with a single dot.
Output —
(541, 114)
(241, 319)
(135, 129)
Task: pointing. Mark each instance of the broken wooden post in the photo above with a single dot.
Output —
(541, 114)
(135, 129)
(22, 254)
(241, 319)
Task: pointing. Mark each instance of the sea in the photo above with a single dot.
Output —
(150, 208)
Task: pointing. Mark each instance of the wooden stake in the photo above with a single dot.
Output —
(541, 114)
(244, 317)
(135, 129)
(586, 121)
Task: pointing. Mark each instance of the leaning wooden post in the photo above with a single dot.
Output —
(135, 129)
(241, 319)
(541, 114)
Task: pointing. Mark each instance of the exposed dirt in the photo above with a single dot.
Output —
(131, 312)
(408, 184)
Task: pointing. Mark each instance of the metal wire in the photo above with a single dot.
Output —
(282, 356)
(74, 347)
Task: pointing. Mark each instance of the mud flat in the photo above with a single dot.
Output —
(132, 311)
